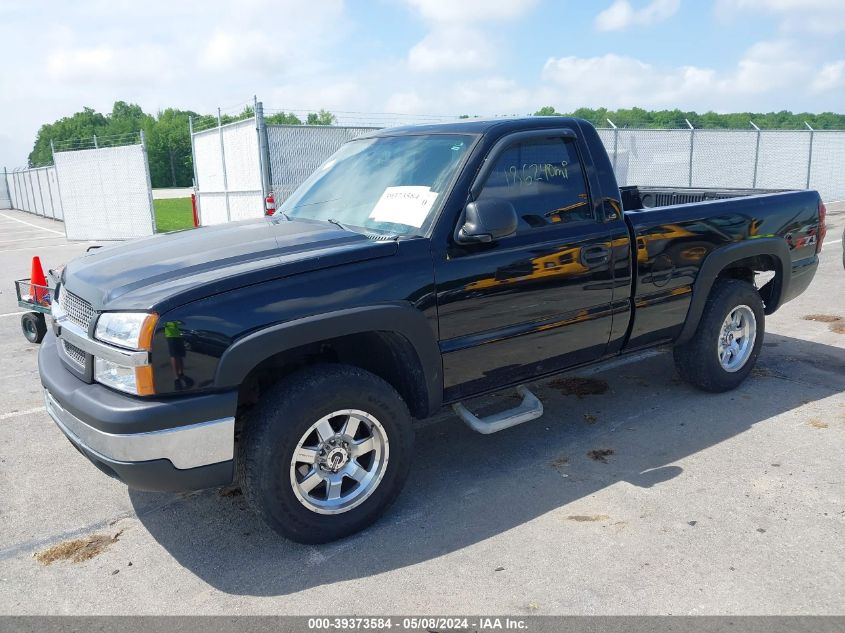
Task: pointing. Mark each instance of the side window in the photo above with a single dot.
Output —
(544, 181)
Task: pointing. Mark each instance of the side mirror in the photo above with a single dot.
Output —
(487, 220)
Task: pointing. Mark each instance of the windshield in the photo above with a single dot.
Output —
(390, 184)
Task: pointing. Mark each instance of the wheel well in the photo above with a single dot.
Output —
(762, 271)
(386, 354)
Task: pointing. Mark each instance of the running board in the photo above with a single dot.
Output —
(530, 409)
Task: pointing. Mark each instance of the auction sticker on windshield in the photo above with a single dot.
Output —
(404, 205)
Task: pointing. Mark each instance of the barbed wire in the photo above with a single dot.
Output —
(207, 121)
(23, 168)
(358, 118)
(228, 114)
(96, 141)
(240, 107)
(203, 122)
(365, 119)
(361, 113)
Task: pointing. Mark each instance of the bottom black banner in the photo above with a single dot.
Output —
(432, 624)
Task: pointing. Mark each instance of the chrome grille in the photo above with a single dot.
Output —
(76, 355)
(77, 309)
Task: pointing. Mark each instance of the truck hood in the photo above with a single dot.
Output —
(163, 271)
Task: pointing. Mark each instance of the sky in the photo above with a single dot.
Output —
(416, 57)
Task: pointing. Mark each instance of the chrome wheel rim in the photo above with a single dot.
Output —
(736, 338)
(339, 461)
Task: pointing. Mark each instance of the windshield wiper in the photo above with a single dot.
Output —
(311, 204)
(340, 224)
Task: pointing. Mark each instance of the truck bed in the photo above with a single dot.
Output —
(635, 198)
(675, 230)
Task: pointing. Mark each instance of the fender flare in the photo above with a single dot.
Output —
(723, 257)
(247, 352)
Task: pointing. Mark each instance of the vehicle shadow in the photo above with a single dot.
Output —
(465, 487)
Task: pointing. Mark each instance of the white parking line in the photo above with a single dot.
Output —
(27, 239)
(17, 229)
(14, 414)
(19, 236)
(8, 217)
(833, 242)
(11, 314)
(41, 247)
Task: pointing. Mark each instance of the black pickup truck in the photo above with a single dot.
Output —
(417, 268)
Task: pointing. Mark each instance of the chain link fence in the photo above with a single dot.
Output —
(106, 192)
(827, 173)
(237, 164)
(296, 151)
(757, 159)
(5, 195)
(228, 172)
(99, 187)
(36, 191)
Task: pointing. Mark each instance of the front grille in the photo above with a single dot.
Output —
(77, 309)
(76, 355)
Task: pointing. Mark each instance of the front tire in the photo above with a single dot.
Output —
(325, 452)
(727, 342)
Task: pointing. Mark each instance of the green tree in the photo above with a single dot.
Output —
(639, 117)
(167, 134)
(283, 118)
(247, 113)
(323, 117)
(169, 142)
(127, 118)
(169, 149)
(82, 125)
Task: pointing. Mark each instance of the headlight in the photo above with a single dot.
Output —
(132, 330)
(115, 376)
(135, 380)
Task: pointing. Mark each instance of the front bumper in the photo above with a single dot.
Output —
(174, 444)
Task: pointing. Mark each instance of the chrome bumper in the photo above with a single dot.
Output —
(185, 446)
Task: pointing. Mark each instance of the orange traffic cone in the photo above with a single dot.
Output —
(38, 290)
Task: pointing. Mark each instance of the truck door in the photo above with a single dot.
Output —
(536, 301)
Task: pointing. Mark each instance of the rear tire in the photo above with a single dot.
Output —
(34, 327)
(325, 452)
(727, 342)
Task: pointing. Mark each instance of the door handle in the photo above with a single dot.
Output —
(594, 255)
